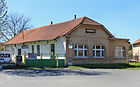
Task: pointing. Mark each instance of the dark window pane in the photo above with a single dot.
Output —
(98, 53)
(102, 47)
(97, 47)
(85, 46)
(123, 51)
(76, 46)
(38, 50)
(93, 52)
(103, 53)
(93, 47)
(85, 52)
(75, 52)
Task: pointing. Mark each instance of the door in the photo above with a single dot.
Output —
(69, 61)
(19, 57)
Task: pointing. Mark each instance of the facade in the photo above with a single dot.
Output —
(136, 50)
(79, 41)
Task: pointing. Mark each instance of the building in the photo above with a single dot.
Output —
(136, 49)
(79, 41)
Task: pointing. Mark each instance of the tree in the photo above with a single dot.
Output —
(3, 18)
(16, 23)
(129, 46)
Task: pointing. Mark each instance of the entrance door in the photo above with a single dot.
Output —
(19, 57)
(69, 61)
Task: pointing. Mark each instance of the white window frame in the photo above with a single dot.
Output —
(121, 50)
(100, 52)
(83, 49)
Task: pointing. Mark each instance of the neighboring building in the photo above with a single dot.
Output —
(136, 49)
(79, 41)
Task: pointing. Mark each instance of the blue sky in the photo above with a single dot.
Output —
(120, 17)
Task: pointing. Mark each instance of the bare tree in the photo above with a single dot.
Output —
(16, 23)
(3, 18)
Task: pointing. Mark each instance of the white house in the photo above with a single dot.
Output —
(136, 49)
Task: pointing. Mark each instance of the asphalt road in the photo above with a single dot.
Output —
(70, 78)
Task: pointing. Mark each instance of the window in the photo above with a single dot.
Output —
(38, 50)
(19, 52)
(98, 51)
(90, 30)
(81, 51)
(52, 51)
(120, 51)
(32, 48)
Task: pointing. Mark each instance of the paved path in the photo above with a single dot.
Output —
(70, 78)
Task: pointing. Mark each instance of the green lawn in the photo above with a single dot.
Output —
(130, 66)
(136, 66)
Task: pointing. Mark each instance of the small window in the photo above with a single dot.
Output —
(32, 48)
(98, 51)
(38, 50)
(120, 52)
(52, 51)
(90, 31)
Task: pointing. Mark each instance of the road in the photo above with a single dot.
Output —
(69, 78)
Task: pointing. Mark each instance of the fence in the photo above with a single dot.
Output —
(45, 62)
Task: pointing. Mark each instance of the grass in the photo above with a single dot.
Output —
(130, 66)
(136, 66)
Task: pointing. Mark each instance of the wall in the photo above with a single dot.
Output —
(136, 51)
(90, 39)
(45, 48)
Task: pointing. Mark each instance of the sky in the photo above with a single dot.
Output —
(120, 17)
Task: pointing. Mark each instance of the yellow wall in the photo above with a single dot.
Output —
(79, 36)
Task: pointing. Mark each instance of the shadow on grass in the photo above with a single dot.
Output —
(52, 72)
(107, 66)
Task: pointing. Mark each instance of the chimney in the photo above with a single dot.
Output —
(74, 16)
(51, 22)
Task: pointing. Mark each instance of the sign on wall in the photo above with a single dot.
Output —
(32, 56)
(70, 46)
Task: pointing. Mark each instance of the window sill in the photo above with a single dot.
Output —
(98, 57)
(119, 57)
(81, 57)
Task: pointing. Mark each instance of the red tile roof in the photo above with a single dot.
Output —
(50, 32)
(136, 42)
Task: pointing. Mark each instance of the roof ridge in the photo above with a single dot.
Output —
(55, 24)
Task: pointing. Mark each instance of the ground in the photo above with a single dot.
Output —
(69, 78)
